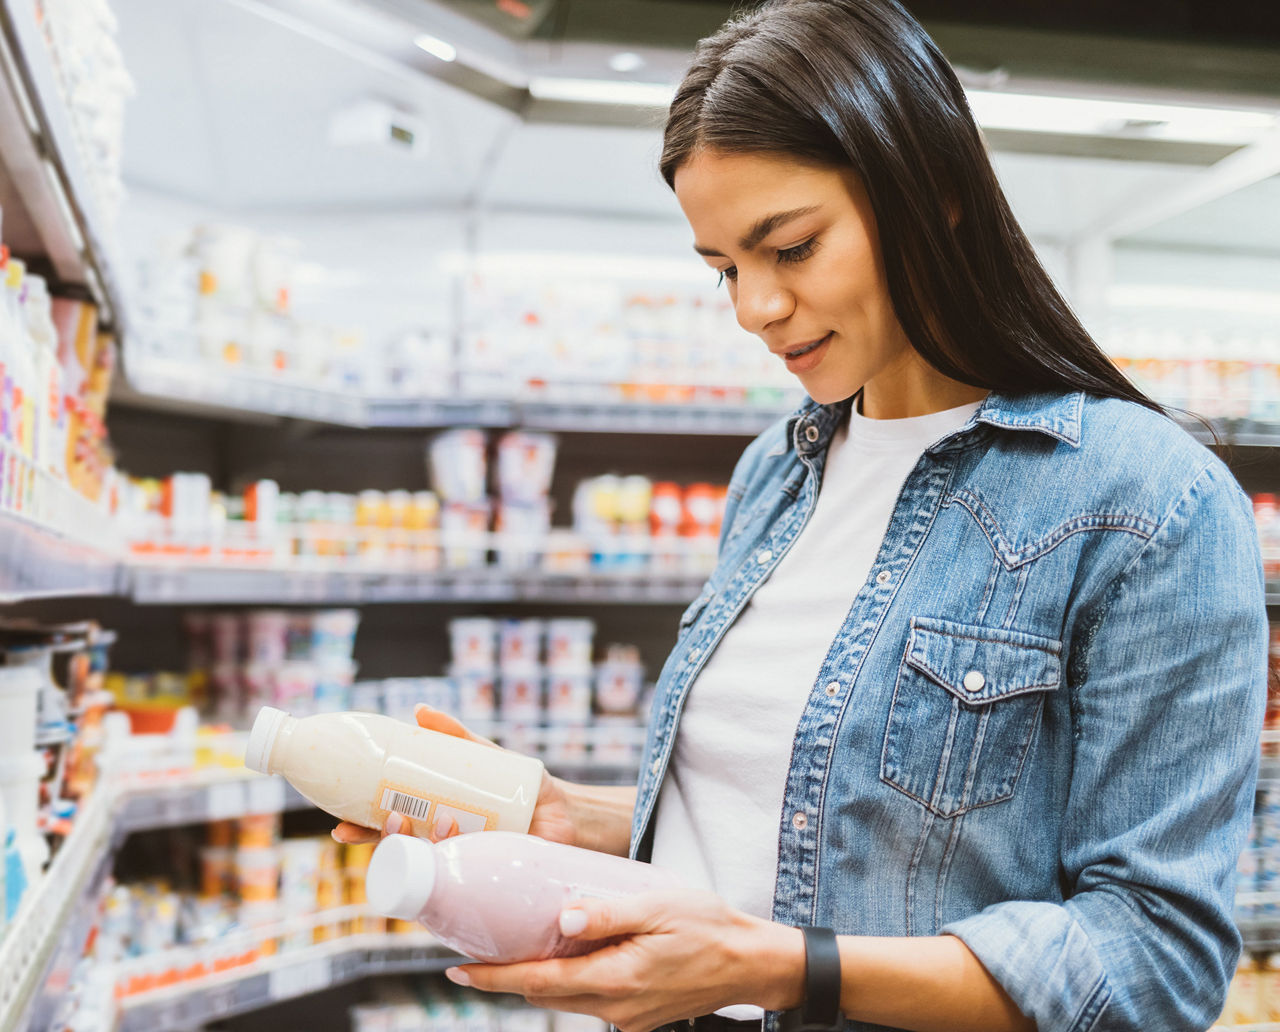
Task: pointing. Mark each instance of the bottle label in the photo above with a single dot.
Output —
(428, 811)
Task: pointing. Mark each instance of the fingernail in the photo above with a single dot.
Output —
(572, 922)
(422, 706)
(443, 827)
(394, 823)
(457, 976)
(337, 837)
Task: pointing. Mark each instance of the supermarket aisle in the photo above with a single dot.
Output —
(363, 378)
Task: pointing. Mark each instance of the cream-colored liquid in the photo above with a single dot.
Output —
(361, 766)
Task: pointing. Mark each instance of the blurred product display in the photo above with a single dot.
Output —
(406, 403)
(94, 87)
(220, 300)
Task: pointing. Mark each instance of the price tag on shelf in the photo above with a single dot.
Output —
(225, 800)
(266, 795)
(300, 979)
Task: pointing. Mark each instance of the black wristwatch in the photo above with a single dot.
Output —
(820, 1011)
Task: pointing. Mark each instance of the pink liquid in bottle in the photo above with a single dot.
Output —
(496, 896)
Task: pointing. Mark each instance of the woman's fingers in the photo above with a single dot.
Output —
(351, 834)
(436, 720)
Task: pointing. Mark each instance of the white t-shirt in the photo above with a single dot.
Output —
(714, 826)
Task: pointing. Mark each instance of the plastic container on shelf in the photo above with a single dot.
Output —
(473, 644)
(568, 697)
(19, 700)
(521, 645)
(498, 897)
(569, 644)
(619, 680)
(20, 776)
(363, 766)
(520, 696)
(477, 698)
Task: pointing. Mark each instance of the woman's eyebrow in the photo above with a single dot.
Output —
(762, 229)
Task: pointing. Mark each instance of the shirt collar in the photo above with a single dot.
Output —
(1057, 414)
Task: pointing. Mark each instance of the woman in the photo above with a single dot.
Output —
(978, 679)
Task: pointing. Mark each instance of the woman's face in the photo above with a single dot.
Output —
(798, 247)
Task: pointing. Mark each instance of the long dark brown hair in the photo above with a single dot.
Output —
(859, 84)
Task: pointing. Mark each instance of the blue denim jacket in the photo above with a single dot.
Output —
(1043, 733)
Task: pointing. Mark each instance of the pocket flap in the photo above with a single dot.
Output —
(981, 664)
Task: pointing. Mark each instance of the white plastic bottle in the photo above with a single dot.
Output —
(362, 766)
(497, 897)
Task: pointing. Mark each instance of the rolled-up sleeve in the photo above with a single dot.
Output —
(1167, 674)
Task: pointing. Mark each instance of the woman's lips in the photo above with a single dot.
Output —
(808, 358)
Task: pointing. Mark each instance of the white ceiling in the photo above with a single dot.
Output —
(232, 112)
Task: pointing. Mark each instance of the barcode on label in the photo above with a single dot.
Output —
(410, 806)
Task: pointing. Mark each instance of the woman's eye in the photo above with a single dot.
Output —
(798, 253)
(730, 273)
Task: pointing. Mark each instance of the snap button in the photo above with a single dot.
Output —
(811, 433)
(883, 577)
(833, 688)
(800, 821)
(654, 767)
(974, 681)
(764, 557)
(694, 653)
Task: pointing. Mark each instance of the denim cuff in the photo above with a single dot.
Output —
(1043, 959)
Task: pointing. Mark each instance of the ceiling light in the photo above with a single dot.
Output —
(1026, 112)
(436, 47)
(602, 91)
(626, 62)
(1188, 298)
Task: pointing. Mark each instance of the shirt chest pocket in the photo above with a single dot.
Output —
(965, 711)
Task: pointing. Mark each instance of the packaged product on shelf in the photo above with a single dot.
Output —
(569, 644)
(520, 645)
(464, 535)
(14, 871)
(20, 688)
(257, 831)
(498, 897)
(94, 85)
(390, 766)
(569, 697)
(20, 776)
(521, 529)
(619, 680)
(520, 697)
(266, 636)
(257, 874)
(457, 463)
(525, 464)
(477, 698)
(473, 644)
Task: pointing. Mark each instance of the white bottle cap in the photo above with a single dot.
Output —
(262, 738)
(401, 877)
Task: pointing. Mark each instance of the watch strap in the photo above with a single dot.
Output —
(820, 1011)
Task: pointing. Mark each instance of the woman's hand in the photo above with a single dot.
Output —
(551, 816)
(684, 954)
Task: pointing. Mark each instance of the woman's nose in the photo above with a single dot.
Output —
(761, 301)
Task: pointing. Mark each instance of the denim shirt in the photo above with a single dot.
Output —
(1038, 727)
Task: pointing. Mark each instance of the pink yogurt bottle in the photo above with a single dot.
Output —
(496, 896)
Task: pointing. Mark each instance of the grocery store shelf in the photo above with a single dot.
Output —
(167, 384)
(37, 561)
(163, 584)
(50, 923)
(284, 977)
(49, 209)
(635, 418)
